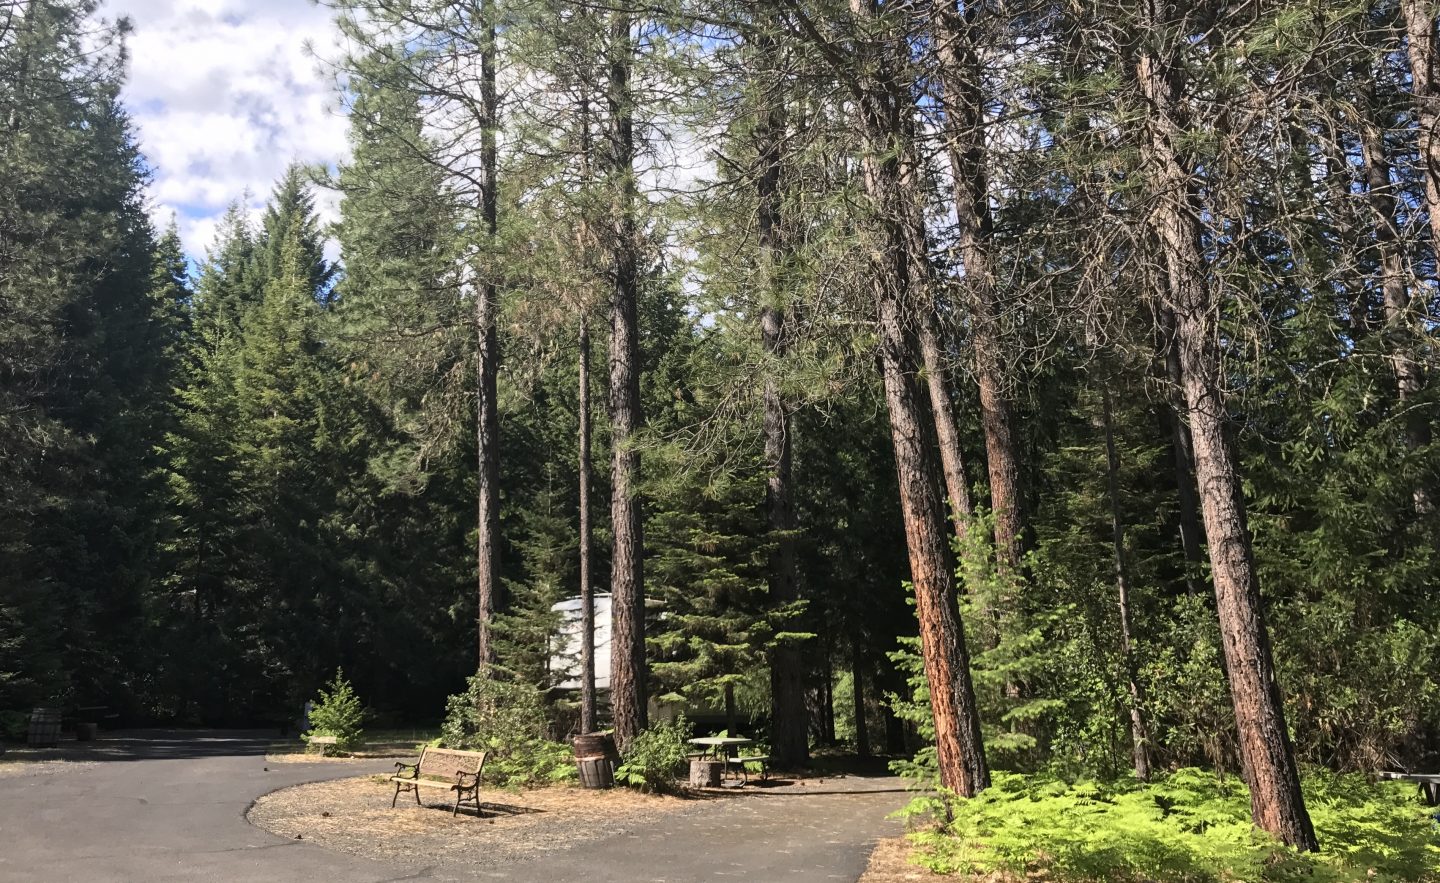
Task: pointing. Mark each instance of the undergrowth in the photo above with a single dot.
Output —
(1188, 827)
(506, 720)
(656, 756)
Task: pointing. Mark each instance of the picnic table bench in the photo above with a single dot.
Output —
(739, 761)
(325, 743)
(448, 768)
(1429, 783)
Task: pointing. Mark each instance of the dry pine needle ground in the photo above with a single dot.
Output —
(354, 815)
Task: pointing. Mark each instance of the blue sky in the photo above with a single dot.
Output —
(225, 95)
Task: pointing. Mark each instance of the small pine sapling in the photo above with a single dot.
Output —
(338, 713)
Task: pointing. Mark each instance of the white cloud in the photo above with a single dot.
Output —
(225, 96)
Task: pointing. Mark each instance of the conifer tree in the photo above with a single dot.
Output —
(83, 367)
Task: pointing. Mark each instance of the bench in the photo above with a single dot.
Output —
(739, 764)
(447, 768)
(324, 742)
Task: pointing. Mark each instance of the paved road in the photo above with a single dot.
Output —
(164, 805)
(170, 805)
(764, 837)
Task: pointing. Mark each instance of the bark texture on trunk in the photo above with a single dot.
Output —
(588, 720)
(585, 245)
(902, 299)
(788, 725)
(952, 458)
(962, 101)
(1183, 449)
(1395, 288)
(788, 722)
(487, 369)
(1420, 42)
(947, 665)
(857, 683)
(1139, 732)
(627, 584)
(1276, 804)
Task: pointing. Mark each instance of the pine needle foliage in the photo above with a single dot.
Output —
(339, 713)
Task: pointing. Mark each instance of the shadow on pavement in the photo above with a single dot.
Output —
(123, 745)
(509, 809)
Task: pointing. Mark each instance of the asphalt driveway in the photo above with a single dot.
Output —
(170, 805)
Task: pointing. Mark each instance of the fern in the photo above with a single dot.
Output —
(1190, 827)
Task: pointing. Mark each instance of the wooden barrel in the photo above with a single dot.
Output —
(44, 728)
(596, 772)
(595, 745)
(706, 773)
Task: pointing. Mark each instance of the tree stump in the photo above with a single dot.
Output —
(706, 773)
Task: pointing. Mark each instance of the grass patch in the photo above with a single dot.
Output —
(395, 742)
(1189, 827)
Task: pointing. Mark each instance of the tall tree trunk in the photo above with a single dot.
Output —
(788, 742)
(1276, 804)
(1139, 733)
(1394, 288)
(947, 666)
(963, 103)
(585, 244)
(732, 724)
(857, 682)
(901, 298)
(487, 419)
(1183, 450)
(627, 584)
(1425, 92)
(827, 732)
(952, 461)
(588, 721)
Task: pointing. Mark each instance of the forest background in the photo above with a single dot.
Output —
(1110, 327)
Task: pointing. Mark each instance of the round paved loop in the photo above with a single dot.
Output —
(170, 805)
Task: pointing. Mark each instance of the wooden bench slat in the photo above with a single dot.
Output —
(448, 768)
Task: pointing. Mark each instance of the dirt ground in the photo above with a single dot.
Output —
(354, 815)
(296, 751)
(13, 765)
(889, 864)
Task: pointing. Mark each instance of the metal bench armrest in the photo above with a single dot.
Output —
(462, 785)
(414, 767)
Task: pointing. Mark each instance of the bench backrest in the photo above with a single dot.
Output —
(443, 763)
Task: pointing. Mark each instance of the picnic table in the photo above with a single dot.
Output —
(718, 748)
(1429, 783)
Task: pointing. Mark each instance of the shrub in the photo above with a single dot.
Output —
(1190, 826)
(338, 712)
(655, 757)
(507, 720)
